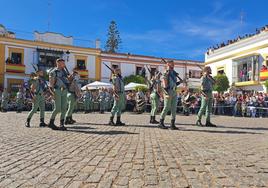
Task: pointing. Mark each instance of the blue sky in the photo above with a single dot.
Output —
(164, 28)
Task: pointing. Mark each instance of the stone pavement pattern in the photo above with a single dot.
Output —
(91, 154)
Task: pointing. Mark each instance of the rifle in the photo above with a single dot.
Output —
(112, 71)
(49, 89)
(177, 74)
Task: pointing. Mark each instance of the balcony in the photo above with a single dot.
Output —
(82, 73)
(15, 68)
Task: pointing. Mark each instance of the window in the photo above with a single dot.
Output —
(81, 64)
(246, 69)
(138, 70)
(194, 74)
(15, 58)
(153, 70)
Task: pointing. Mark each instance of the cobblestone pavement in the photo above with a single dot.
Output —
(92, 154)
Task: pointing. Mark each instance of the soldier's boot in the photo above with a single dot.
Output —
(86, 111)
(27, 123)
(42, 123)
(72, 120)
(111, 122)
(67, 121)
(199, 123)
(172, 126)
(161, 124)
(62, 127)
(118, 121)
(151, 119)
(52, 125)
(154, 121)
(209, 124)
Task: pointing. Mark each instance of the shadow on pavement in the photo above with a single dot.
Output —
(218, 131)
(112, 132)
(80, 127)
(247, 128)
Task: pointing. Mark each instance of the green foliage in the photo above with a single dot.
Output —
(134, 78)
(222, 83)
(114, 40)
(266, 85)
(142, 88)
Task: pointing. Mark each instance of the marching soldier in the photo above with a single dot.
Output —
(206, 103)
(58, 80)
(19, 100)
(155, 87)
(170, 84)
(119, 97)
(37, 89)
(5, 98)
(87, 101)
(72, 96)
(101, 98)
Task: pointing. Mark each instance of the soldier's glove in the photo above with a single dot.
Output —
(178, 83)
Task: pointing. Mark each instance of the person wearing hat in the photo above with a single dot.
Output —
(207, 83)
(119, 97)
(73, 95)
(87, 98)
(170, 84)
(19, 100)
(4, 102)
(101, 98)
(37, 89)
(59, 83)
(155, 87)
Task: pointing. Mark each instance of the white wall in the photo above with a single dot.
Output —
(91, 66)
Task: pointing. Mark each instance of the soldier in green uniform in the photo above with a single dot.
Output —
(101, 98)
(59, 83)
(37, 89)
(5, 98)
(170, 84)
(206, 103)
(119, 97)
(155, 87)
(19, 100)
(87, 101)
(72, 96)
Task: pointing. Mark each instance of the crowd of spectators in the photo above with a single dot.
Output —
(223, 44)
(240, 104)
(251, 104)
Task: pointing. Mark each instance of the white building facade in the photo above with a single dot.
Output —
(133, 64)
(244, 62)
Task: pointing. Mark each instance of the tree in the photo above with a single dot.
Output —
(134, 78)
(222, 83)
(142, 88)
(114, 40)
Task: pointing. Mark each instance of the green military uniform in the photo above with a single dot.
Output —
(39, 86)
(155, 98)
(101, 97)
(72, 96)
(87, 97)
(60, 83)
(206, 104)
(4, 101)
(170, 98)
(19, 101)
(119, 100)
